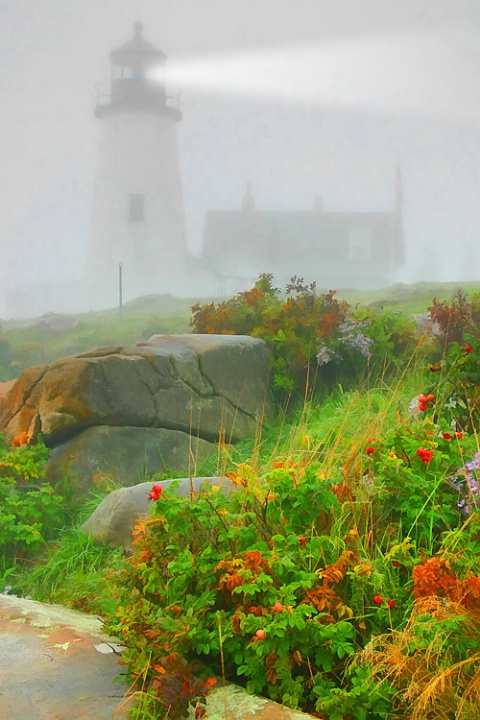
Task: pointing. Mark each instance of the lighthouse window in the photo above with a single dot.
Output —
(136, 208)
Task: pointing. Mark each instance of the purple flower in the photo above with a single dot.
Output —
(466, 484)
(353, 337)
(326, 355)
(350, 336)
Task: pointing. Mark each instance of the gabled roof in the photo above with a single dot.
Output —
(316, 233)
(304, 239)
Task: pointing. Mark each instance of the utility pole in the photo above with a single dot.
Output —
(120, 290)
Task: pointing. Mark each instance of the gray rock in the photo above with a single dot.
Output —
(113, 521)
(50, 667)
(413, 409)
(130, 412)
(128, 455)
(210, 385)
(232, 702)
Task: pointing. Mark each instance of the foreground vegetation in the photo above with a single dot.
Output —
(342, 574)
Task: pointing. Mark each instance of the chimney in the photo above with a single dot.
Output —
(248, 201)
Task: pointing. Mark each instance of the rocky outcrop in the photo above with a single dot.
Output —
(113, 521)
(205, 384)
(57, 663)
(133, 411)
(125, 454)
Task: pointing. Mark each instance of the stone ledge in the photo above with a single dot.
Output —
(234, 703)
(53, 664)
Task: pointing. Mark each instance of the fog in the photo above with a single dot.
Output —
(305, 99)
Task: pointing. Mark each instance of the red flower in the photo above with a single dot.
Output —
(302, 541)
(369, 450)
(447, 436)
(423, 401)
(459, 435)
(425, 455)
(155, 493)
(468, 348)
(378, 600)
(391, 604)
(278, 465)
(395, 563)
(278, 607)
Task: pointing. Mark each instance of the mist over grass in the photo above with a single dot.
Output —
(42, 340)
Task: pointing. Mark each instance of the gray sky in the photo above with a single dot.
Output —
(304, 98)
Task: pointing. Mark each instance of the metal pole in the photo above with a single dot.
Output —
(120, 303)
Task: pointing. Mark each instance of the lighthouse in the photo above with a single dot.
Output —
(138, 219)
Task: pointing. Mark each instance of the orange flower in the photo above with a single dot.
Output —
(22, 439)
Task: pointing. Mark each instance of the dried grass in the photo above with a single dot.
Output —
(424, 662)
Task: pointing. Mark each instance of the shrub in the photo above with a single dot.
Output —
(260, 581)
(409, 474)
(284, 581)
(32, 511)
(314, 339)
(456, 317)
(432, 663)
(459, 385)
(292, 328)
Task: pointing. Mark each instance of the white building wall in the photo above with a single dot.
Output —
(137, 154)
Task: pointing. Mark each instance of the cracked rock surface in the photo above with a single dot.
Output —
(128, 411)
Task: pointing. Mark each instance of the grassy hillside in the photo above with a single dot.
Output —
(45, 339)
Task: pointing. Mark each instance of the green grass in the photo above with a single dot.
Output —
(331, 433)
(73, 572)
(34, 342)
(409, 299)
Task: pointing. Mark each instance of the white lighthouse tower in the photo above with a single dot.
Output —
(138, 219)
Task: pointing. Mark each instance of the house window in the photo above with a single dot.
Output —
(136, 207)
(360, 243)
